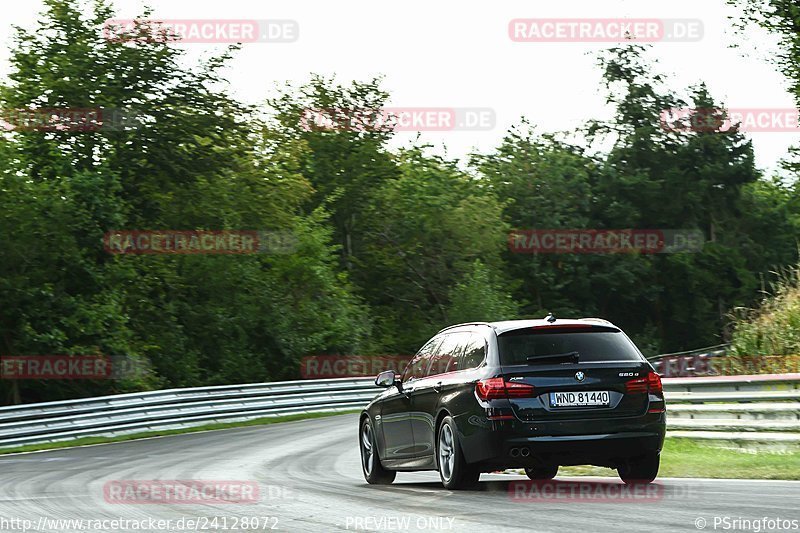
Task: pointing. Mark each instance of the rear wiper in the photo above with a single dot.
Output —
(569, 357)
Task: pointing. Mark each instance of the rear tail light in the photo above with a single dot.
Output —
(498, 388)
(490, 389)
(636, 385)
(519, 390)
(650, 383)
(654, 383)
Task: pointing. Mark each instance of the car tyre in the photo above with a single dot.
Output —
(374, 472)
(642, 469)
(542, 472)
(454, 471)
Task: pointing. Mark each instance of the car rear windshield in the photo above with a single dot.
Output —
(530, 347)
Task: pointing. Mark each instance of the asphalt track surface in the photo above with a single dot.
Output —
(309, 479)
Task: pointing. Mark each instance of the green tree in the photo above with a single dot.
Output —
(347, 158)
(479, 297)
(190, 157)
(422, 234)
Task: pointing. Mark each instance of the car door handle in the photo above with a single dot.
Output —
(438, 387)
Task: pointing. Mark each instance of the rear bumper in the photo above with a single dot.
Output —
(515, 444)
(606, 450)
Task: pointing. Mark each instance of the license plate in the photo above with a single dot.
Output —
(579, 399)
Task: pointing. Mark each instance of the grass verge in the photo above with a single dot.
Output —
(83, 441)
(688, 458)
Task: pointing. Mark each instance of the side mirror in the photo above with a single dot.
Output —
(387, 379)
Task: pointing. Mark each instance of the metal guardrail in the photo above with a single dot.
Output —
(762, 408)
(716, 350)
(688, 363)
(176, 408)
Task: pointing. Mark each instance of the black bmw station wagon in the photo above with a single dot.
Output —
(532, 394)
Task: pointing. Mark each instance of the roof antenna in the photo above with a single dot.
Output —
(550, 318)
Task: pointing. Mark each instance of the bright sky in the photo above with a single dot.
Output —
(448, 53)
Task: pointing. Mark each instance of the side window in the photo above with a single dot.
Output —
(474, 353)
(417, 367)
(446, 357)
